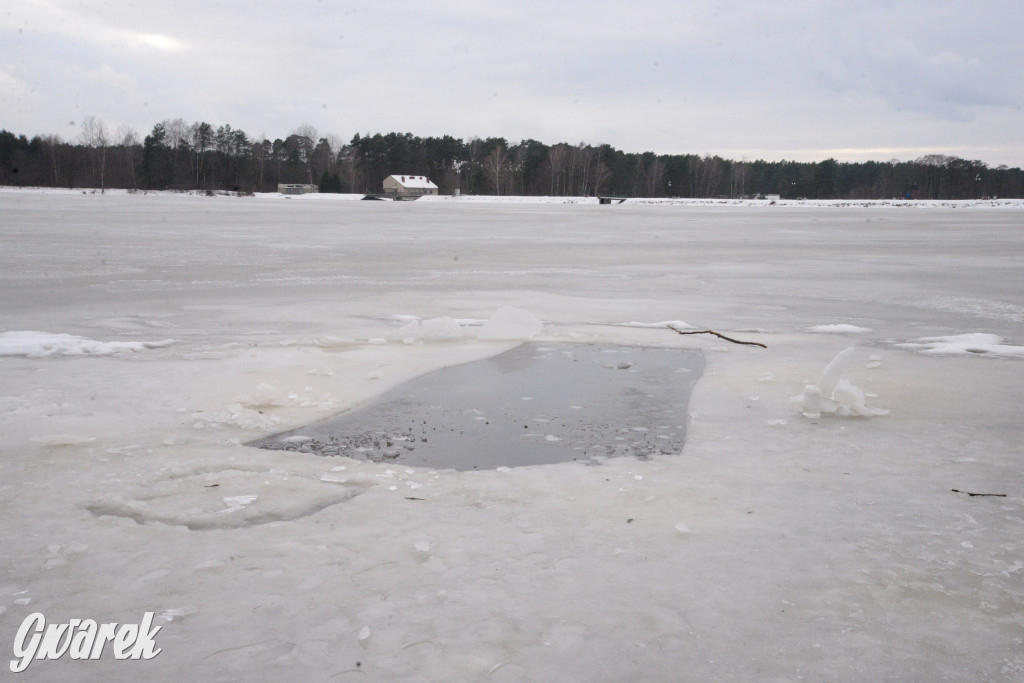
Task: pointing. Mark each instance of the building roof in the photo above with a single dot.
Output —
(414, 181)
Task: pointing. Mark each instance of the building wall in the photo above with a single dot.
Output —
(294, 188)
(393, 187)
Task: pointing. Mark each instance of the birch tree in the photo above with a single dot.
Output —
(95, 136)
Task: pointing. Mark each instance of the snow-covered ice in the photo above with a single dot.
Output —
(771, 548)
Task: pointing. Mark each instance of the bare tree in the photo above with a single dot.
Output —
(580, 157)
(655, 176)
(336, 143)
(177, 131)
(307, 131)
(348, 157)
(52, 144)
(600, 174)
(128, 139)
(94, 134)
(738, 178)
(494, 164)
(556, 165)
(518, 165)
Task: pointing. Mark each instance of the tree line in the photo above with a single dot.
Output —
(177, 155)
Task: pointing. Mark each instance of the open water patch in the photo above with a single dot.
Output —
(536, 404)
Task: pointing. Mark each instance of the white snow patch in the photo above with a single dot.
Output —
(977, 343)
(841, 328)
(42, 344)
(664, 324)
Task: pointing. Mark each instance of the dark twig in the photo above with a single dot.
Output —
(720, 336)
(994, 495)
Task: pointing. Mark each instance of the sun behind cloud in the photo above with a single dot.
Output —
(160, 42)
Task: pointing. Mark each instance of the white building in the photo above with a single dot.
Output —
(296, 188)
(408, 186)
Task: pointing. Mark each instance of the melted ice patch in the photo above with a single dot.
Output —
(536, 404)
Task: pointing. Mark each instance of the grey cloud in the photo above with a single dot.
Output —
(653, 75)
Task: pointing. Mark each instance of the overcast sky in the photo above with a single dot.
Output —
(793, 79)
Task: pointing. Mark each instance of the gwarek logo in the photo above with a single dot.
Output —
(82, 639)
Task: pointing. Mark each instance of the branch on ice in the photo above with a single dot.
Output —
(720, 336)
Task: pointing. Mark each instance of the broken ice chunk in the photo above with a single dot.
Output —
(834, 394)
(812, 402)
(831, 374)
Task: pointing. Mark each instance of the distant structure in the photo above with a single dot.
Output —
(291, 188)
(408, 186)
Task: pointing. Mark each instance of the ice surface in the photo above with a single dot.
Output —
(440, 329)
(772, 548)
(509, 322)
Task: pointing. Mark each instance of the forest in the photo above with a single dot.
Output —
(177, 155)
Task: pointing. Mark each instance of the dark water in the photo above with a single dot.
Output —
(536, 404)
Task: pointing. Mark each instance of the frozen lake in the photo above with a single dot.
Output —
(145, 338)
